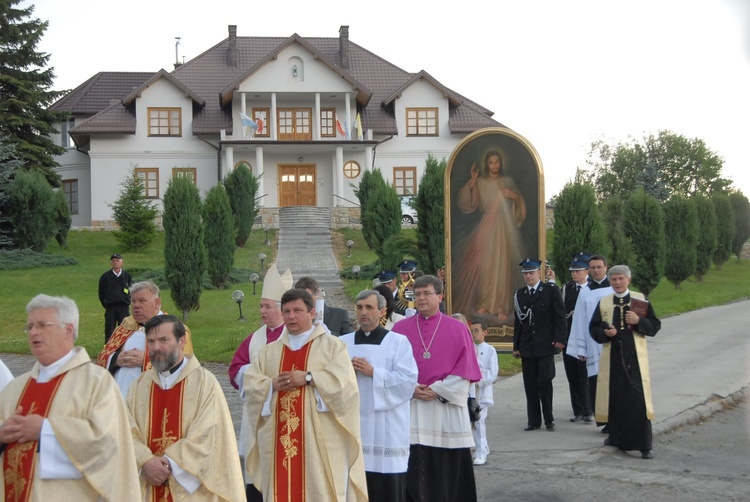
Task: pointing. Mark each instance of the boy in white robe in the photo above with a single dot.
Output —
(488, 365)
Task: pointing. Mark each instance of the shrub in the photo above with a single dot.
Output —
(242, 188)
(706, 246)
(135, 214)
(681, 229)
(218, 235)
(644, 225)
(32, 209)
(724, 228)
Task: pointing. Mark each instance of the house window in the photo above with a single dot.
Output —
(165, 122)
(294, 124)
(421, 121)
(65, 139)
(260, 116)
(185, 172)
(328, 122)
(244, 163)
(149, 176)
(70, 188)
(405, 180)
(352, 169)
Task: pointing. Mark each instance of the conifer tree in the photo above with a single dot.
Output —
(644, 225)
(724, 228)
(430, 206)
(218, 235)
(371, 182)
(242, 188)
(8, 167)
(681, 232)
(62, 219)
(381, 218)
(184, 252)
(741, 209)
(25, 91)
(134, 213)
(706, 246)
(32, 209)
(578, 227)
(614, 222)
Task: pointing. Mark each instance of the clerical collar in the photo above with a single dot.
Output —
(428, 317)
(622, 295)
(375, 337)
(140, 325)
(173, 369)
(46, 373)
(298, 341)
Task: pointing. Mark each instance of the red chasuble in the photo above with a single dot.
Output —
(20, 458)
(289, 453)
(165, 428)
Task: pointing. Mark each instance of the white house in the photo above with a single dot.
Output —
(188, 122)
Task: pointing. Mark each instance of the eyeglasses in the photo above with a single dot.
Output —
(41, 325)
(423, 294)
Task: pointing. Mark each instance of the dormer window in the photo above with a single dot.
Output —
(165, 122)
(421, 121)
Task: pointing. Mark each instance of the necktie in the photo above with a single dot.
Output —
(578, 288)
(531, 291)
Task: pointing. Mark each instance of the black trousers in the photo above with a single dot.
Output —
(578, 383)
(113, 317)
(538, 373)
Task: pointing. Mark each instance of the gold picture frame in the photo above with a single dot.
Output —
(493, 220)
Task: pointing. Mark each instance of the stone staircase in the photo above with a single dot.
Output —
(305, 247)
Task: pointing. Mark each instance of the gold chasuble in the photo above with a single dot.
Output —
(20, 458)
(189, 423)
(84, 407)
(299, 453)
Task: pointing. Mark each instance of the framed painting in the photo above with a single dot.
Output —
(495, 218)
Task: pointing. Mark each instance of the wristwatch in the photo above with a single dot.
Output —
(308, 378)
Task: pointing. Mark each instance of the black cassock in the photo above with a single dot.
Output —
(629, 428)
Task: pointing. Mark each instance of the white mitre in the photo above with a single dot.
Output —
(275, 285)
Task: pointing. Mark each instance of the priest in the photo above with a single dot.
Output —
(303, 405)
(386, 376)
(274, 286)
(64, 432)
(623, 397)
(182, 431)
(125, 354)
(440, 463)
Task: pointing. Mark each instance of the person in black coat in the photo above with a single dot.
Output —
(335, 319)
(114, 295)
(540, 333)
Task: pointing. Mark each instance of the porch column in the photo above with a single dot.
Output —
(272, 119)
(347, 101)
(229, 160)
(316, 118)
(260, 172)
(338, 176)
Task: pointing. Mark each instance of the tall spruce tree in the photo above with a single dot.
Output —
(741, 209)
(25, 91)
(218, 235)
(644, 225)
(371, 182)
(134, 213)
(724, 228)
(184, 252)
(242, 188)
(706, 247)
(578, 227)
(381, 218)
(32, 209)
(613, 216)
(430, 206)
(8, 167)
(681, 232)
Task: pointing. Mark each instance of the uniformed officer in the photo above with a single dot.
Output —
(539, 334)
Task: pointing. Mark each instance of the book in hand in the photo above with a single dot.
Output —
(640, 307)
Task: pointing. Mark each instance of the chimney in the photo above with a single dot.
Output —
(232, 49)
(344, 46)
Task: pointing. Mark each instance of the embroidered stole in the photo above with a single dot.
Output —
(117, 340)
(19, 460)
(165, 429)
(289, 448)
(606, 308)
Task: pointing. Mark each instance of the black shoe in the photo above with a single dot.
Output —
(532, 428)
(605, 430)
(550, 426)
(647, 454)
(577, 418)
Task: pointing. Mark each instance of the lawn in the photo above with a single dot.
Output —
(216, 330)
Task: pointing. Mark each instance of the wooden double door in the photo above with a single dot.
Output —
(297, 185)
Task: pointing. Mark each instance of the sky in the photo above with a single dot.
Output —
(561, 74)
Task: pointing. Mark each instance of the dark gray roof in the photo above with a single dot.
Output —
(208, 77)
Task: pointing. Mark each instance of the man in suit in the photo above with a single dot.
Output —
(335, 319)
(540, 332)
